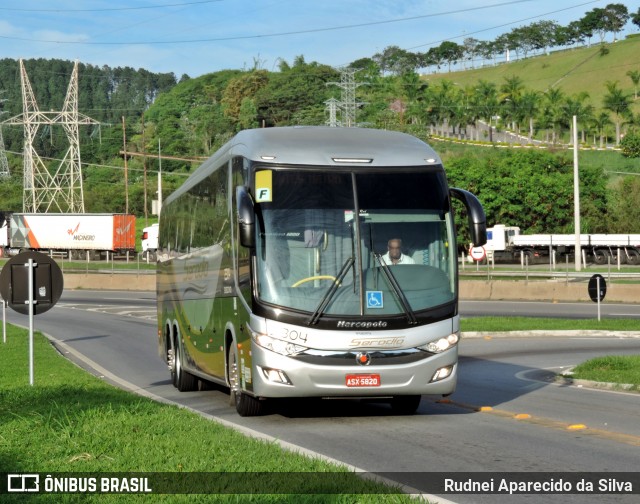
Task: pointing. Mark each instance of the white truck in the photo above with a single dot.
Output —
(506, 244)
(150, 241)
(77, 236)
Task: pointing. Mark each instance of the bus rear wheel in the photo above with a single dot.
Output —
(246, 405)
(182, 380)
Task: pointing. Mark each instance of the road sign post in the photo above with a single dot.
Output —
(31, 283)
(597, 290)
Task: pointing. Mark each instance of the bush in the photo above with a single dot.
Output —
(631, 145)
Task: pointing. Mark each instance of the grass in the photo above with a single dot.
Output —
(71, 422)
(572, 71)
(498, 324)
(611, 369)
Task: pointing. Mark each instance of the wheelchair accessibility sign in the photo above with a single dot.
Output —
(374, 299)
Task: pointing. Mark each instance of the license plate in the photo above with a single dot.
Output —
(363, 380)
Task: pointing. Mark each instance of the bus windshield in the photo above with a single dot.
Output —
(336, 243)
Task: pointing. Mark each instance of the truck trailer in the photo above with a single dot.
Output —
(77, 236)
(507, 244)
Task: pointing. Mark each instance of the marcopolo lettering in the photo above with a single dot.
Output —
(361, 324)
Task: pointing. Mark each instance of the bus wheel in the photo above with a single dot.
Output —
(184, 381)
(405, 405)
(245, 404)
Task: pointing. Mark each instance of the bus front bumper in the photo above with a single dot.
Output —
(279, 376)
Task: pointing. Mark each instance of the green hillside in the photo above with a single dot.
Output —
(572, 70)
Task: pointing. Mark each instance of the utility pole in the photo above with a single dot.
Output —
(576, 195)
(144, 167)
(126, 168)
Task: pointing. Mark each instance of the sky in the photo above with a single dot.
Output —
(196, 37)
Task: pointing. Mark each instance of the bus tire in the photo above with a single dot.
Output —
(245, 404)
(184, 381)
(405, 405)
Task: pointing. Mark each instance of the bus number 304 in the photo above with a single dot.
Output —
(294, 335)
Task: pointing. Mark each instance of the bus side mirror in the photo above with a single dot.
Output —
(477, 218)
(246, 217)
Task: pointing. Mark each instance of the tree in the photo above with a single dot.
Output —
(624, 206)
(486, 103)
(241, 87)
(631, 145)
(599, 123)
(531, 188)
(395, 60)
(510, 93)
(450, 52)
(470, 49)
(635, 18)
(616, 16)
(618, 103)
(554, 111)
(528, 107)
(634, 75)
(575, 106)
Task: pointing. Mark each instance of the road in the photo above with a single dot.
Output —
(505, 416)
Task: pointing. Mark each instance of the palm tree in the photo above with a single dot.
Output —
(600, 122)
(528, 108)
(510, 93)
(634, 75)
(617, 103)
(486, 102)
(574, 106)
(554, 111)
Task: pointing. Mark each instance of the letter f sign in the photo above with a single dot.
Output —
(263, 194)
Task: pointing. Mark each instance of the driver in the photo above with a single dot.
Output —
(394, 253)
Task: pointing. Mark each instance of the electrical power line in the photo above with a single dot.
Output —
(296, 32)
(110, 9)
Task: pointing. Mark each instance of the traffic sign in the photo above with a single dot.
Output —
(477, 253)
(597, 288)
(46, 285)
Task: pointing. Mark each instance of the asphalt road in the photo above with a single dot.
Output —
(505, 416)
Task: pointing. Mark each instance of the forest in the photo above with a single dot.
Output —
(183, 121)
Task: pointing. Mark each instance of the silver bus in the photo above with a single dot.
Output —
(313, 262)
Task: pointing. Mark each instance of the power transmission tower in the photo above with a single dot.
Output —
(348, 105)
(332, 107)
(43, 191)
(4, 164)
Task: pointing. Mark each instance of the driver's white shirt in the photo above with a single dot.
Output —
(404, 259)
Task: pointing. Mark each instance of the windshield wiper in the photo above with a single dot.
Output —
(397, 289)
(330, 292)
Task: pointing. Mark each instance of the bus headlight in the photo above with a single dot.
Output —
(278, 346)
(442, 344)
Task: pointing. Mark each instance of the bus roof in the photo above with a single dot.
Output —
(319, 146)
(326, 146)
